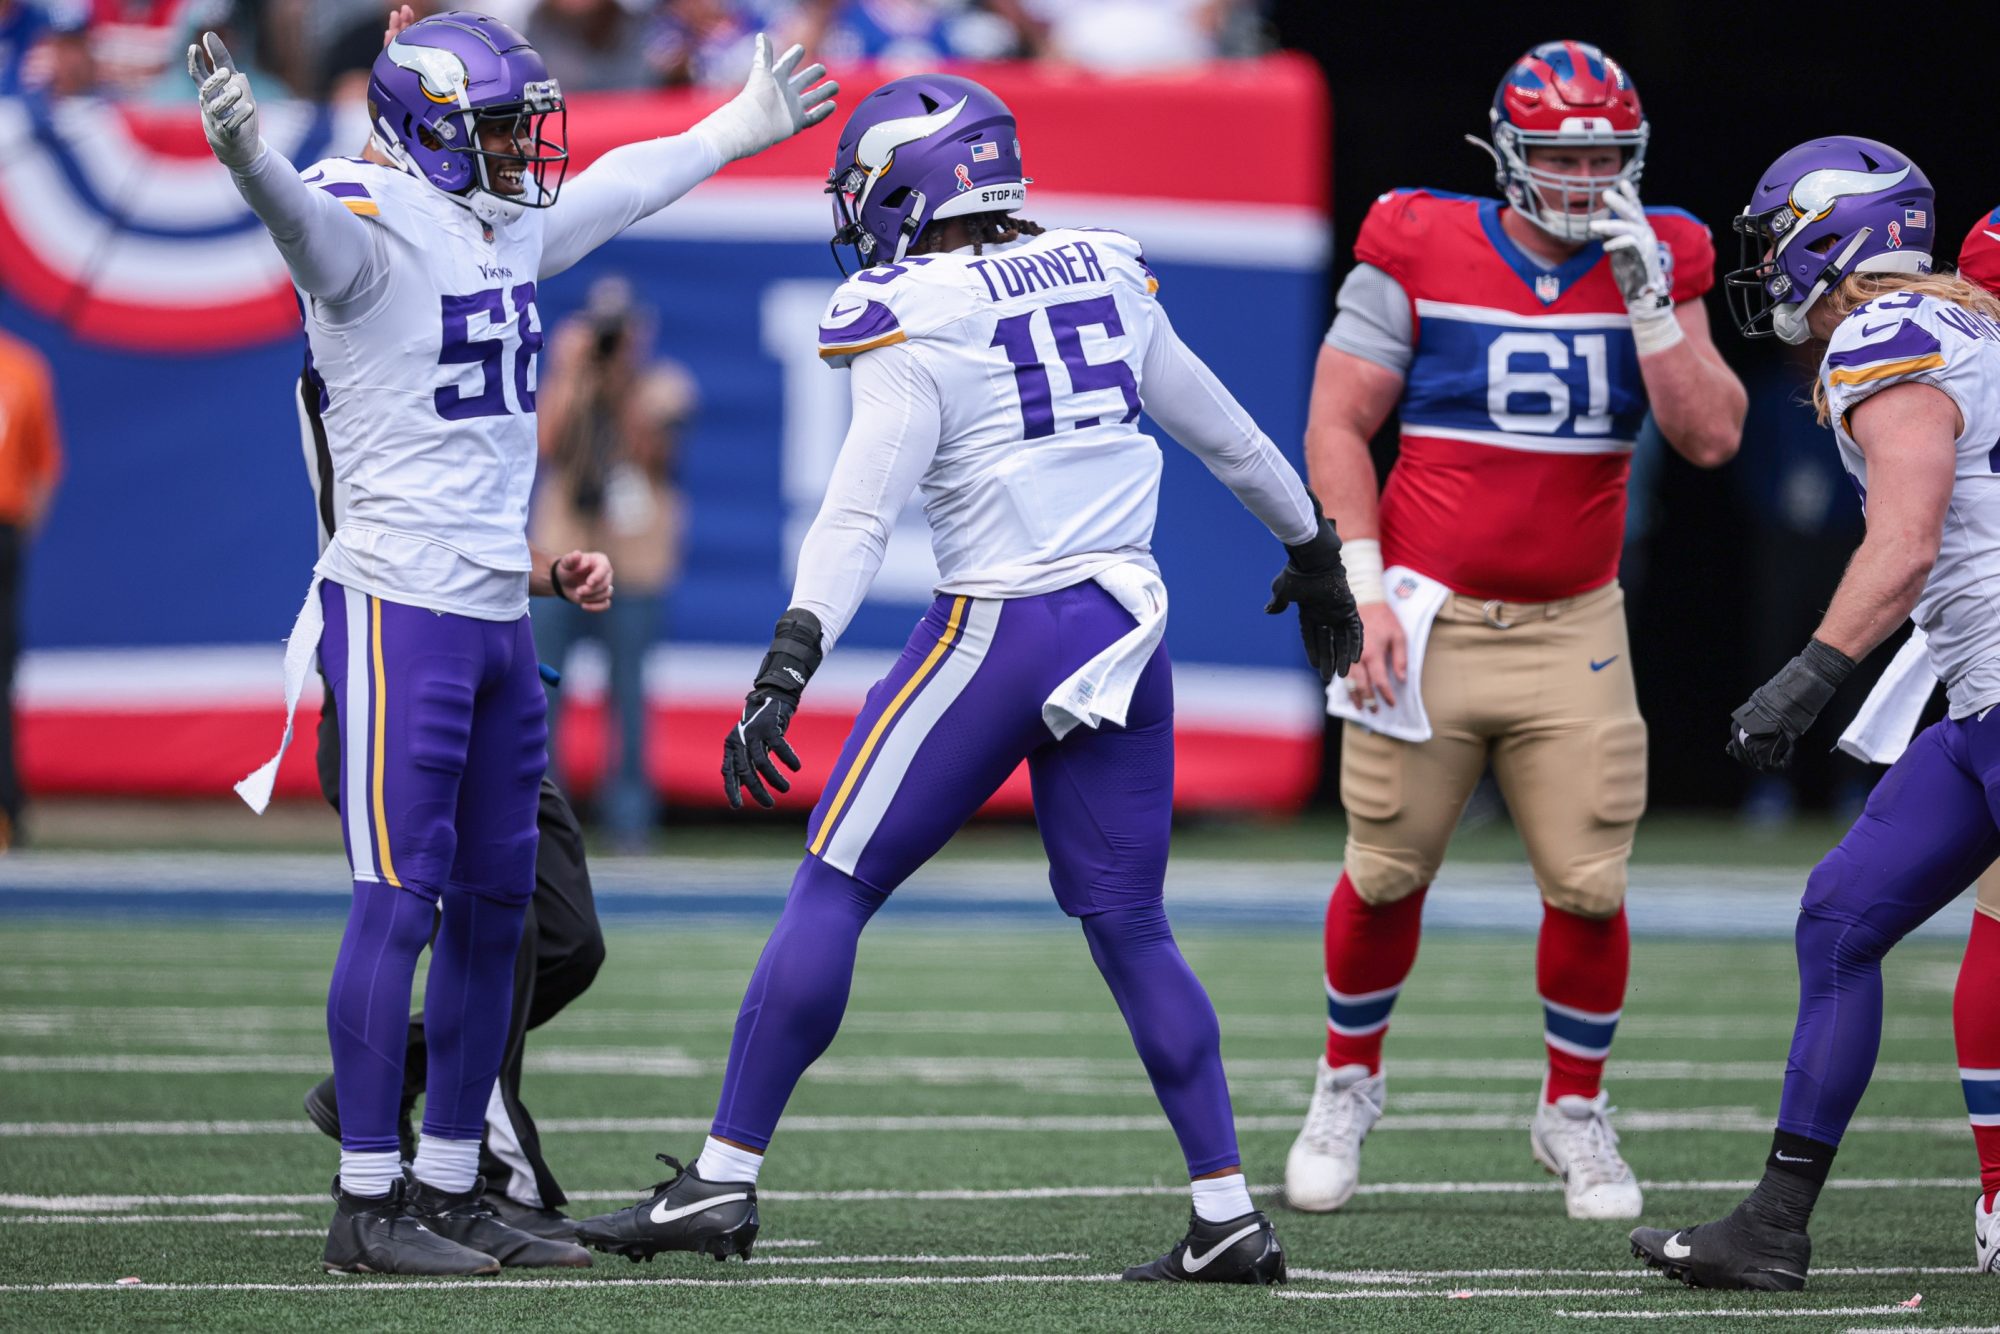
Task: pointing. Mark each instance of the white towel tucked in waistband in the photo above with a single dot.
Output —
(1881, 732)
(1100, 691)
(299, 652)
(1416, 600)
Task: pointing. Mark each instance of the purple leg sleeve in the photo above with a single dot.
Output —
(795, 999)
(1174, 1027)
(368, 1010)
(468, 1003)
(1924, 835)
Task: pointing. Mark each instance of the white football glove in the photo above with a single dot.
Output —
(1638, 269)
(228, 110)
(774, 105)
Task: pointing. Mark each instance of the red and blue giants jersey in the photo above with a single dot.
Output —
(1522, 403)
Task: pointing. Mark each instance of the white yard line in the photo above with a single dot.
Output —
(286, 1232)
(149, 1218)
(1395, 1294)
(1060, 1257)
(390, 1286)
(107, 1203)
(1717, 1120)
(1631, 1271)
(1705, 1313)
(1037, 1072)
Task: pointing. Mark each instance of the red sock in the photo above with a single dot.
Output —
(1580, 968)
(1975, 1022)
(1369, 951)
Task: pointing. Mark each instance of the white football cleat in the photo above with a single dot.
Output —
(1324, 1165)
(1986, 1235)
(1573, 1138)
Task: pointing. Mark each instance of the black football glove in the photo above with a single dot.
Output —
(767, 711)
(1763, 732)
(1315, 579)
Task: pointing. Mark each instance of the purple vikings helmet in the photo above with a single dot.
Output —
(1827, 209)
(441, 78)
(920, 148)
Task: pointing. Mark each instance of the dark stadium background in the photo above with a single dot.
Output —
(1727, 88)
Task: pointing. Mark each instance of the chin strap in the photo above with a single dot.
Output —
(1794, 330)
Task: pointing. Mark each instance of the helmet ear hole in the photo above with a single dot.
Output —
(1824, 245)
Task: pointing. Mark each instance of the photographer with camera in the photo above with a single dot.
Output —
(611, 416)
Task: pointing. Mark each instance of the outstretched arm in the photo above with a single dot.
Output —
(332, 254)
(638, 180)
(1183, 395)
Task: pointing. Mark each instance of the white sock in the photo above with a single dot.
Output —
(1219, 1199)
(726, 1162)
(371, 1174)
(449, 1165)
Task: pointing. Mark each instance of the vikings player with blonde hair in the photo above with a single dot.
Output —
(1837, 252)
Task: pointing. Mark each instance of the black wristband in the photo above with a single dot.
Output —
(555, 582)
(1828, 663)
(794, 654)
(1321, 551)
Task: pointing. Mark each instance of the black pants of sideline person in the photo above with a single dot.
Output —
(562, 948)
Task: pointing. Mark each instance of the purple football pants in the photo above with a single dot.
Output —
(1927, 832)
(957, 714)
(442, 752)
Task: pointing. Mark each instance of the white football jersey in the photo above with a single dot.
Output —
(1907, 337)
(427, 400)
(1037, 349)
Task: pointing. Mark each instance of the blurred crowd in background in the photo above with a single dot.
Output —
(316, 48)
(1790, 517)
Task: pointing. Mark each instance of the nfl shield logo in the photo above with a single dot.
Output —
(1548, 287)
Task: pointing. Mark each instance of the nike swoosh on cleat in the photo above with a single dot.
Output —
(1674, 1249)
(1194, 1263)
(662, 1214)
(1784, 1157)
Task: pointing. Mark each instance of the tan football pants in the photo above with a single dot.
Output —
(1543, 690)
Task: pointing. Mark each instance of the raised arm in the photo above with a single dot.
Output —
(332, 254)
(638, 180)
(890, 442)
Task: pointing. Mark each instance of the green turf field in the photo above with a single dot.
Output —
(979, 1149)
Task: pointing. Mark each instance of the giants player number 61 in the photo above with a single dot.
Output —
(1521, 342)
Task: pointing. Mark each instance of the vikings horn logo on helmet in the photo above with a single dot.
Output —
(440, 74)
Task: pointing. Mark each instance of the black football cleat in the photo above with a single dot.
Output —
(324, 1111)
(543, 1222)
(470, 1220)
(377, 1235)
(1743, 1251)
(1241, 1250)
(686, 1213)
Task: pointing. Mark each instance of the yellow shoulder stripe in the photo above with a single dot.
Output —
(1152, 285)
(1930, 361)
(848, 349)
(367, 208)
